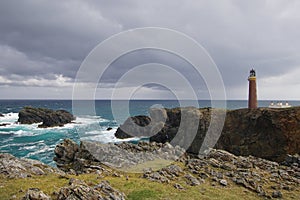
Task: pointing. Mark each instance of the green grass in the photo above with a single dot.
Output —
(142, 194)
(134, 188)
(153, 164)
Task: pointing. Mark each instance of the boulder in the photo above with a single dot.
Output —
(1, 115)
(48, 117)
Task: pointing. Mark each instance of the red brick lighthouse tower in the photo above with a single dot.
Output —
(252, 99)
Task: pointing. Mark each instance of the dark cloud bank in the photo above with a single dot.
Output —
(42, 44)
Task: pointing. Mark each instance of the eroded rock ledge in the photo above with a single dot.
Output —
(219, 168)
(93, 156)
(263, 132)
(48, 117)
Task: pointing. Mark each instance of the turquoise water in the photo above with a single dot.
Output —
(29, 141)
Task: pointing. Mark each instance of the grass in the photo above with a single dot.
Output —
(134, 187)
(153, 164)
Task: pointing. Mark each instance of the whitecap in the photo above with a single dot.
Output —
(9, 118)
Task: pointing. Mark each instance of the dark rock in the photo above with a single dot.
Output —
(35, 194)
(178, 186)
(262, 132)
(134, 127)
(49, 118)
(109, 128)
(4, 124)
(1, 115)
(277, 194)
(292, 160)
(66, 150)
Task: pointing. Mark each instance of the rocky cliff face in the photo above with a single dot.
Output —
(50, 118)
(263, 132)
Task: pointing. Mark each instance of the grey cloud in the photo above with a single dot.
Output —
(48, 38)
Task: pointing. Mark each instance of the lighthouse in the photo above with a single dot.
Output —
(252, 99)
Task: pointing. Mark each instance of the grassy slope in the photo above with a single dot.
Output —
(134, 188)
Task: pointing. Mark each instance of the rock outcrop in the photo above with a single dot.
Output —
(12, 167)
(93, 156)
(217, 168)
(49, 118)
(263, 132)
(35, 194)
(79, 190)
(141, 120)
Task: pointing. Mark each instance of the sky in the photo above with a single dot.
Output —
(43, 44)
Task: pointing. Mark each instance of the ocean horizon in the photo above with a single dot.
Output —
(29, 141)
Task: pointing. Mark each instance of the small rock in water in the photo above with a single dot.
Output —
(109, 128)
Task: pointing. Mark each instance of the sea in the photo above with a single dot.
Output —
(29, 141)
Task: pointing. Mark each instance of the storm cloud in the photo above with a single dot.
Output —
(43, 43)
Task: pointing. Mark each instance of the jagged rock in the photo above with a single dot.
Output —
(49, 118)
(65, 152)
(252, 173)
(13, 167)
(191, 180)
(79, 190)
(164, 175)
(35, 194)
(121, 155)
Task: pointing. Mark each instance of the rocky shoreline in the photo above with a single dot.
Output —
(217, 169)
(257, 153)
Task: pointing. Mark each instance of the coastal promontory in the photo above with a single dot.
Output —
(263, 132)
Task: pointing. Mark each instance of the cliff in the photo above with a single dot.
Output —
(262, 132)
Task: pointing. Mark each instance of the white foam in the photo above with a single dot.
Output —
(9, 118)
(105, 136)
(42, 150)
